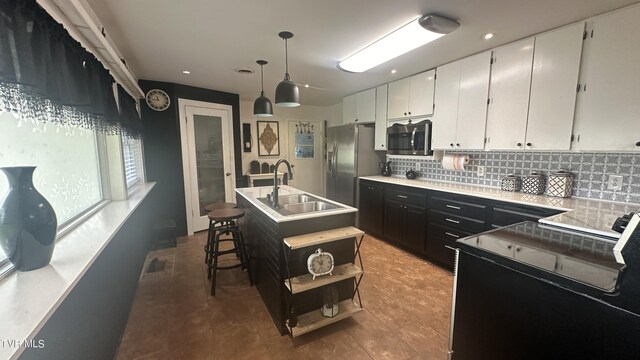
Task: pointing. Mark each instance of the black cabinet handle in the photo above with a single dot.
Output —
(519, 144)
(458, 144)
(451, 144)
(356, 120)
(638, 143)
(382, 145)
(409, 112)
(528, 144)
(405, 113)
(509, 247)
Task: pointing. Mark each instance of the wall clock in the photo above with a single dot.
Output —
(158, 100)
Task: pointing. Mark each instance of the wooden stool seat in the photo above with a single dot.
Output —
(218, 206)
(225, 214)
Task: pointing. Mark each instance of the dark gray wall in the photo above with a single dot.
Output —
(91, 320)
(162, 150)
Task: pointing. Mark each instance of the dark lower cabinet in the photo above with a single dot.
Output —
(502, 313)
(405, 225)
(429, 222)
(405, 218)
(394, 221)
(371, 208)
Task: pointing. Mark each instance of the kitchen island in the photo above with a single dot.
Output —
(273, 262)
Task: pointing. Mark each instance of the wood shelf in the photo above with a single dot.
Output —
(305, 282)
(321, 237)
(314, 320)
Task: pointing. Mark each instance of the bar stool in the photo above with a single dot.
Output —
(227, 218)
(213, 225)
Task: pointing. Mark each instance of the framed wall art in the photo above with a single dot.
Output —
(268, 138)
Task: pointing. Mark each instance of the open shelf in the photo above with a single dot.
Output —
(321, 237)
(314, 320)
(305, 282)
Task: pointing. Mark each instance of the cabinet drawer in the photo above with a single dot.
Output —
(457, 222)
(441, 251)
(405, 197)
(460, 208)
(445, 232)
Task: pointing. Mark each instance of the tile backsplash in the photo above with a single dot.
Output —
(590, 170)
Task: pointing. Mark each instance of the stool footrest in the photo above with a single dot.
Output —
(228, 267)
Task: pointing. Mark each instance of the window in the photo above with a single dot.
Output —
(67, 172)
(133, 163)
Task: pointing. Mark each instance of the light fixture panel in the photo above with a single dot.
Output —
(402, 40)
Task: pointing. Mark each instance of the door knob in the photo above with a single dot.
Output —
(228, 174)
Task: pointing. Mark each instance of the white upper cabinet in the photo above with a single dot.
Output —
(472, 103)
(462, 88)
(445, 116)
(509, 94)
(608, 106)
(359, 107)
(421, 89)
(412, 96)
(381, 118)
(349, 109)
(398, 99)
(556, 65)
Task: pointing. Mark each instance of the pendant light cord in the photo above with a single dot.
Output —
(261, 80)
(286, 57)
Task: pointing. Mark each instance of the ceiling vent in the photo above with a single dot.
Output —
(244, 71)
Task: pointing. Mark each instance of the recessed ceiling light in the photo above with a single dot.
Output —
(394, 71)
(407, 37)
(186, 72)
(488, 36)
(306, 85)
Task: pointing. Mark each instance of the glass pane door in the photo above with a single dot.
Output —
(209, 160)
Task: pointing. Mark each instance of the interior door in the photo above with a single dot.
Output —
(209, 168)
(305, 155)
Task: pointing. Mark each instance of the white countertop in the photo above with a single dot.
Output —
(589, 215)
(253, 193)
(28, 299)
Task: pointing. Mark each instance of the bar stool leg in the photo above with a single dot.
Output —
(245, 257)
(213, 269)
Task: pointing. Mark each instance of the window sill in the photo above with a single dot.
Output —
(28, 299)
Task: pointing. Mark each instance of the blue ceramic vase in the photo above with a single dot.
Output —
(27, 221)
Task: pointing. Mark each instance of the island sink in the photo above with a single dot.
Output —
(298, 204)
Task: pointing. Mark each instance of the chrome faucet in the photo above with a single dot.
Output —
(275, 181)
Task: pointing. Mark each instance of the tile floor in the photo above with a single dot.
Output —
(407, 305)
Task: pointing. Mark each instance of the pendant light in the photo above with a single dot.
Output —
(262, 105)
(287, 93)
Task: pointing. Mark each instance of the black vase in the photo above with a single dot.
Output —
(27, 221)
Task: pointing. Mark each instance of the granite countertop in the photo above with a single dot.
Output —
(253, 193)
(588, 215)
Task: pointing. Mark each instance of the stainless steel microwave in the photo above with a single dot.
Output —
(409, 138)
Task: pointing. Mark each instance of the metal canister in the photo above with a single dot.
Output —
(560, 184)
(510, 183)
(533, 183)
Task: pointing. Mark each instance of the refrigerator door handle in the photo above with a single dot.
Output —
(413, 138)
(335, 161)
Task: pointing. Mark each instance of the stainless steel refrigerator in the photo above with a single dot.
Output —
(350, 155)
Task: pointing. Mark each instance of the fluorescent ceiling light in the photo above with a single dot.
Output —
(410, 36)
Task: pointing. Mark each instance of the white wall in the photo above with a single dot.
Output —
(333, 114)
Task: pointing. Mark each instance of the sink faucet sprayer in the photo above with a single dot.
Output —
(275, 180)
